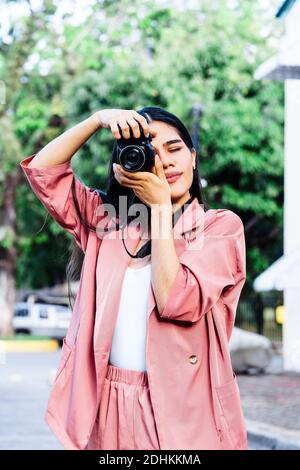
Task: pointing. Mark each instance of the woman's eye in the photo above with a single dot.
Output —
(174, 150)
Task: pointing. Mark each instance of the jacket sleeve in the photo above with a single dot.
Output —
(210, 264)
(53, 187)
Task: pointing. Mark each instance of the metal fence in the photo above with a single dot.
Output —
(257, 313)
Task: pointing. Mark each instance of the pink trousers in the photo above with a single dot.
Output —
(125, 419)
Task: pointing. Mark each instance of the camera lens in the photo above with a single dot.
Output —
(132, 158)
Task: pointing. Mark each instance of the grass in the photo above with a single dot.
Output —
(24, 337)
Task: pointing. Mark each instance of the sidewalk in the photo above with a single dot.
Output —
(271, 405)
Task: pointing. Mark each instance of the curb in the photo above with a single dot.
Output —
(272, 437)
(28, 346)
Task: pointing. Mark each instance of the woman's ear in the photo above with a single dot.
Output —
(194, 154)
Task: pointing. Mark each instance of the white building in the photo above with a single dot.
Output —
(284, 274)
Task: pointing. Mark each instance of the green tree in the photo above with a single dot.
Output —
(130, 54)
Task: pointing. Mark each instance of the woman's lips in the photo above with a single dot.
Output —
(172, 179)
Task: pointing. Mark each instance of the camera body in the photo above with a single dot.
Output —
(135, 154)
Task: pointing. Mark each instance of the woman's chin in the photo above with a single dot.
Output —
(175, 198)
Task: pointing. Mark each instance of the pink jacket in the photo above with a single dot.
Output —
(194, 392)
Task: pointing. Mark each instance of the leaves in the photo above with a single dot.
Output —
(130, 54)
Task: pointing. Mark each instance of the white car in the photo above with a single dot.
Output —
(40, 319)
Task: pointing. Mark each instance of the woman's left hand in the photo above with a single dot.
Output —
(150, 187)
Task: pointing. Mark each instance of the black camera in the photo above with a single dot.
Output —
(135, 154)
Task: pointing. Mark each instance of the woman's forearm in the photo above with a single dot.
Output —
(164, 259)
(63, 147)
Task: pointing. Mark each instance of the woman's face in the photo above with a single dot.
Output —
(176, 157)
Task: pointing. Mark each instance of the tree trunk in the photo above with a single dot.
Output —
(8, 252)
(7, 301)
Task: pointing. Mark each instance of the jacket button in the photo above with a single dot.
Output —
(193, 359)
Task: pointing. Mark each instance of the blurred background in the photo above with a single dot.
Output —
(230, 69)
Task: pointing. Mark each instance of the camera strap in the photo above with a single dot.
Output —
(145, 250)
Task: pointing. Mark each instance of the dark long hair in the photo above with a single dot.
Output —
(114, 189)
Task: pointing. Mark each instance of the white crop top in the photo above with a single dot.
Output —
(128, 348)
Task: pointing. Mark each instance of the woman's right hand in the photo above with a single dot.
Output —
(111, 118)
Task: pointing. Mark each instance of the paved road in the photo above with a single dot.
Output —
(272, 398)
(24, 389)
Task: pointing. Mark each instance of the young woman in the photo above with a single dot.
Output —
(145, 363)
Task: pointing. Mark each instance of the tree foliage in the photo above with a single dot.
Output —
(131, 54)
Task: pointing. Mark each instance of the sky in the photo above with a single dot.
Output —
(80, 9)
(8, 10)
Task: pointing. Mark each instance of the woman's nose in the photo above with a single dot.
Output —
(165, 158)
